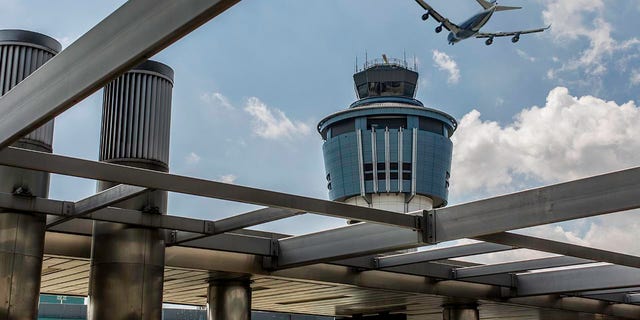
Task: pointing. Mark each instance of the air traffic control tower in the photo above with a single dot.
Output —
(387, 150)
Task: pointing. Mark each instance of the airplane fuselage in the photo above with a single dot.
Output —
(471, 26)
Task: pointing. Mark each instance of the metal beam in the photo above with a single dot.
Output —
(241, 221)
(578, 279)
(612, 192)
(98, 201)
(632, 298)
(131, 34)
(164, 181)
(567, 249)
(518, 266)
(346, 242)
(440, 254)
(608, 291)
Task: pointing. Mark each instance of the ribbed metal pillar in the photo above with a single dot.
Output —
(127, 263)
(22, 234)
(460, 312)
(229, 299)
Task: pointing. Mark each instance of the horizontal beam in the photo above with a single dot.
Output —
(440, 254)
(612, 192)
(131, 34)
(608, 291)
(193, 227)
(212, 189)
(98, 201)
(342, 243)
(518, 266)
(566, 249)
(633, 298)
(241, 221)
(578, 279)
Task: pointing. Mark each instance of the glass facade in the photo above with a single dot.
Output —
(386, 153)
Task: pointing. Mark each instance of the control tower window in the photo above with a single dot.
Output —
(409, 89)
(363, 90)
(431, 125)
(342, 127)
(387, 88)
(391, 123)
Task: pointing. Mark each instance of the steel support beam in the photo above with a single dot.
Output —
(566, 249)
(440, 254)
(578, 279)
(133, 33)
(164, 181)
(612, 192)
(342, 243)
(98, 201)
(633, 298)
(241, 221)
(518, 266)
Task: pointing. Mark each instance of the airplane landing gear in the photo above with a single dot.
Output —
(438, 29)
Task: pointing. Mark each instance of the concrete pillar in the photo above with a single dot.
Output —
(460, 312)
(229, 299)
(127, 263)
(22, 234)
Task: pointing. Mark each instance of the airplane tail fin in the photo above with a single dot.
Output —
(488, 4)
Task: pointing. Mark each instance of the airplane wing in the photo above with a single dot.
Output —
(438, 17)
(508, 34)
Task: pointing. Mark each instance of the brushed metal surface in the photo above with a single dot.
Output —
(127, 263)
(229, 300)
(22, 234)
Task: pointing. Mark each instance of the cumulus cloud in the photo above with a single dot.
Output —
(272, 123)
(578, 19)
(445, 63)
(228, 178)
(568, 138)
(217, 100)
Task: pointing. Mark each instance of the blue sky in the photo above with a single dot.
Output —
(251, 85)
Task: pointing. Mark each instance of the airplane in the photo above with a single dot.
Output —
(471, 27)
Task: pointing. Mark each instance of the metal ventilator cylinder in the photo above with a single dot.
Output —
(22, 234)
(229, 299)
(127, 263)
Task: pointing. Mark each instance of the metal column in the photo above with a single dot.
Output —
(229, 299)
(22, 234)
(127, 263)
(460, 312)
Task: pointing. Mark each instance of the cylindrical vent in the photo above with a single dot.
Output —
(22, 234)
(136, 116)
(21, 53)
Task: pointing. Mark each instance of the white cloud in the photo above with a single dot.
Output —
(272, 123)
(217, 100)
(192, 159)
(566, 139)
(572, 20)
(635, 77)
(525, 55)
(445, 63)
(228, 178)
